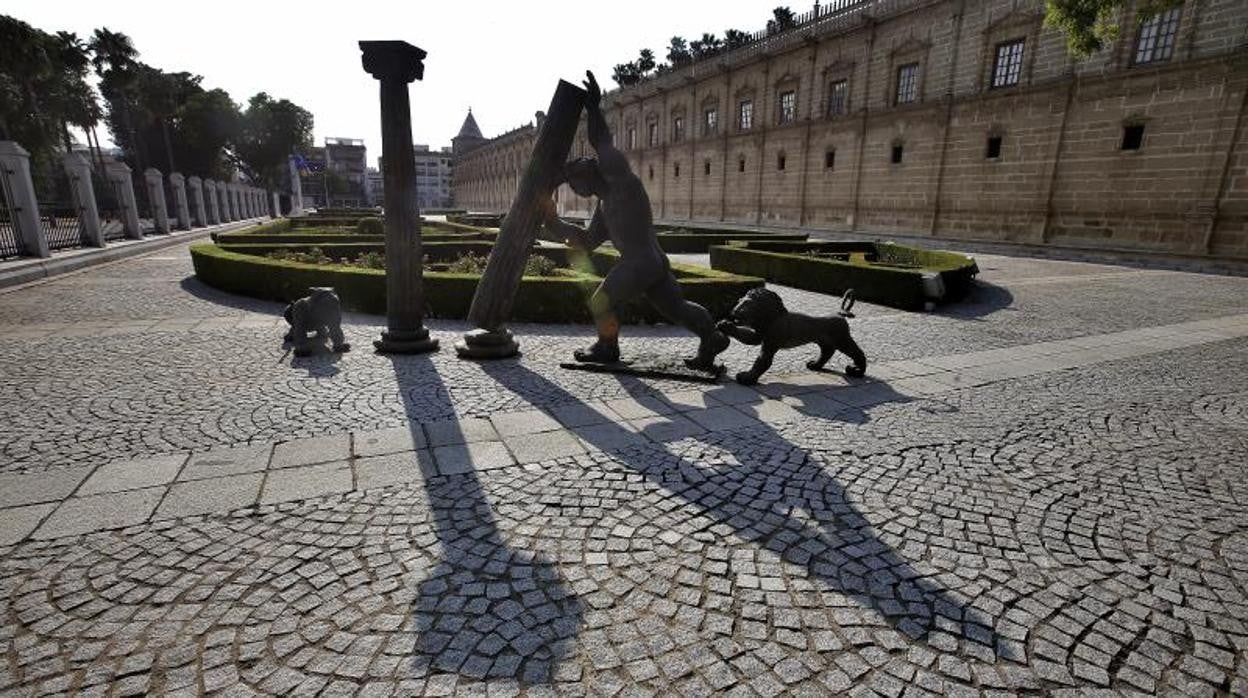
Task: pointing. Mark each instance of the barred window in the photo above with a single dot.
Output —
(1008, 64)
(838, 97)
(908, 83)
(652, 134)
(710, 122)
(678, 129)
(1156, 40)
(788, 106)
(745, 117)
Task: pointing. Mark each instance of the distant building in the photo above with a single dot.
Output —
(375, 187)
(434, 177)
(469, 136)
(338, 174)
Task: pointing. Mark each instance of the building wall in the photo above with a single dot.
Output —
(1062, 177)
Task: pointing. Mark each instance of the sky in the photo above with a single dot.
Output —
(502, 59)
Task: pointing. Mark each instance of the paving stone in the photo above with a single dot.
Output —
(79, 515)
(523, 422)
(723, 419)
(17, 489)
(18, 522)
(303, 482)
(133, 474)
(213, 495)
(458, 431)
(609, 436)
(471, 457)
(670, 427)
(220, 462)
(393, 469)
(317, 449)
(386, 441)
(531, 448)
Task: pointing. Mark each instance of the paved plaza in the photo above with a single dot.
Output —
(1039, 489)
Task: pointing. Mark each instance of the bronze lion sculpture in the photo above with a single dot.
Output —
(321, 313)
(760, 318)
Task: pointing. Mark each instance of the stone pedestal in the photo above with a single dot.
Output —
(79, 172)
(181, 208)
(156, 198)
(19, 190)
(118, 174)
(395, 64)
(491, 306)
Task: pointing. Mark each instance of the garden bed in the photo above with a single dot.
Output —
(559, 297)
(903, 277)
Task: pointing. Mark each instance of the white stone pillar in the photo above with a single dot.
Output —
(223, 198)
(181, 210)
(249, 201)
(19, 189)
(277, 205)
(118, 174)
(236, 202)
(210, 199)
(79, 172)
(156, 197)
(199, 217)
(296, 190)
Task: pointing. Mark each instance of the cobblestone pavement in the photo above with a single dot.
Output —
(1076, 526)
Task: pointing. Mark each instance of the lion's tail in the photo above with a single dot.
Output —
(847, 303)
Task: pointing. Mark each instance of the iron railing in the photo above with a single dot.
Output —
(58, 212)
(10, 241)
(111, 203)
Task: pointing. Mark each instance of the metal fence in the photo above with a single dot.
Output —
(58, 213)
(10, 241)
(112, 207)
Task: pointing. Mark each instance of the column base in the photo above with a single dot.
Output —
(487, 344)
(405, 342)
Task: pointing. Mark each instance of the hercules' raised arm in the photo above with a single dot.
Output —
(611, 161)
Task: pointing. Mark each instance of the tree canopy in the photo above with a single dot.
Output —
(1091, 24)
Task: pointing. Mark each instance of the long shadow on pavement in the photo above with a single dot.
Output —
(758, 501)
(486, 610)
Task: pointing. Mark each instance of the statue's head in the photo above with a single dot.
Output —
(758, 308)
(583, 176)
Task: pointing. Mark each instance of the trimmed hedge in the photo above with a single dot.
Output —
(674, 242)
(483, 220)
(539, 299)
(942, 276)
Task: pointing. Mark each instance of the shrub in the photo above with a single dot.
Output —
(371, 225)
(370, 260)
(314, 255)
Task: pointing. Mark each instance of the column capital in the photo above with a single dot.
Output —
(393, 60)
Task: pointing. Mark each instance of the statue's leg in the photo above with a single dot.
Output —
(623, 282)
(334, 324)
(826, 350)
(668, 299)
(854, 352)
(761, 364)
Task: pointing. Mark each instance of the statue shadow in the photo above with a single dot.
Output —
(980, 300)
(786, 499)
(320, 365)
(486, 610)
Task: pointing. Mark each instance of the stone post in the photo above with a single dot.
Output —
(296, 189)
(79, 172)
(277, 205)
(210, 202)
(236, 212)
(199, 217)
(227, 201)
(118, 174)
(395, 64)
(249, 203)
(156, 197)
(19, 188)
(491, 305)
(181, 210)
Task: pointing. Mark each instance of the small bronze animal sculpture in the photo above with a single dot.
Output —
(760, 318)
(321, 313)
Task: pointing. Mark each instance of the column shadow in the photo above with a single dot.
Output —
(758, 500)
(486, 610)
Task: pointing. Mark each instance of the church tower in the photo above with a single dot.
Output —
(469, 136)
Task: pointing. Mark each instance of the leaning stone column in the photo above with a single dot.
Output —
(296, 189)
(118, 174)
(180, 208)
(79, 172)
(395, 64)
(210, 201)
(19, 189)
(199, 217)
(491, 305)
(156, 197)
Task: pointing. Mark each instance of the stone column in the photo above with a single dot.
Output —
(227, 201)
(156, 197)
(19, 189)
(199, 217)
(181, 209)
(395, 64)
(277, 205)
(79, 172)
(231, 195)
(210, 202)
(491, 304)
(296, 189)
(118, 174)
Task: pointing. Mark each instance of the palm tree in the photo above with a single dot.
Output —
(114, 58)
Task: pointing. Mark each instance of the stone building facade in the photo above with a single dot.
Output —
(956, 119)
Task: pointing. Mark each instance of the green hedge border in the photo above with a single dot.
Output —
(539, 299)
(701, 242)
(945, 276)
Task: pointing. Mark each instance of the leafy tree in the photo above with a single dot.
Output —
(625, 74)
(708, 45)
(1091, 24)
(782, 18)
(734, 38)
(645, 61)
(271, 130)
(678, 51)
